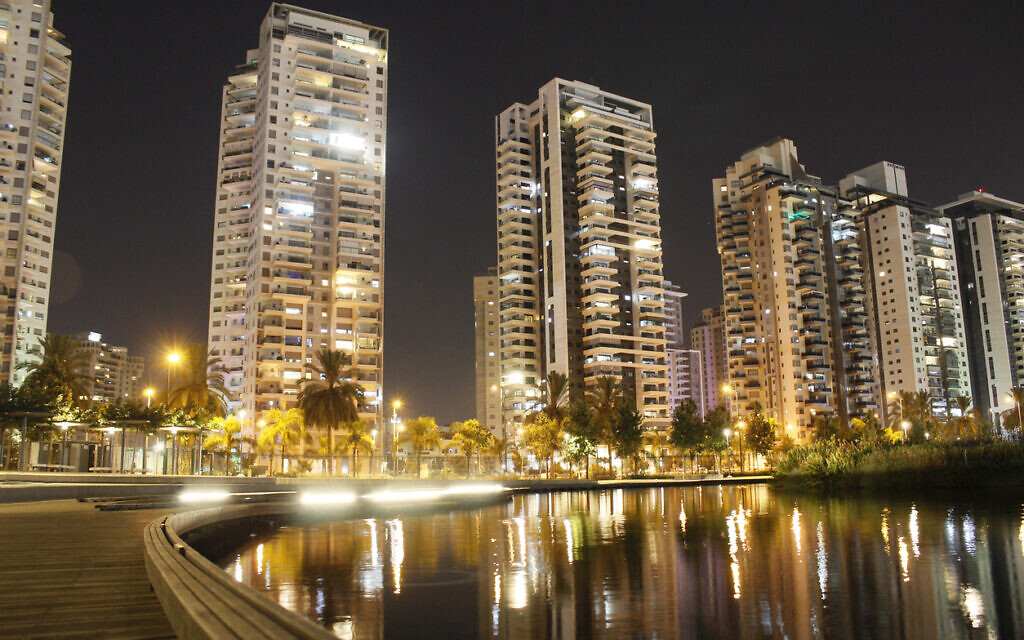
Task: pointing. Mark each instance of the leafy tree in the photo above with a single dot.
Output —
(544, 437)
(716, 422)
(867, 429)
(826, 427)
(603, 399)
(688, 431)
(471, 437)
(1011, 417)
(202, 386)
(282, 428)
(761, 433)
(331, 398)
(584, 432)
(358, 438)
(60, 369)
(498, 449)
(658, 442)
(422, 433)
(628, 431)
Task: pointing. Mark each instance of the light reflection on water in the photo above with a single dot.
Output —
(731, 562)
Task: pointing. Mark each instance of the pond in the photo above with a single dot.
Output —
(662, 563)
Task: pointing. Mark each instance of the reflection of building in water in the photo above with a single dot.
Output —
(657, 563)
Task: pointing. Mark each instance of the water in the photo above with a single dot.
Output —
(730, 562)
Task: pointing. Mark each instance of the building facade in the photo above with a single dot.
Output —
(674, 333)
(685, 374)
(488, 371)
(798, 333)
(112, 373)
(989, 237)
(37, 69)
(579, 247)
(298, 257)
(914, 289)
(708, 337)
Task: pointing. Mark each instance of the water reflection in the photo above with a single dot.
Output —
(734, 562)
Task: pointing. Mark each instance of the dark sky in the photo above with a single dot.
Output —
(937, 89)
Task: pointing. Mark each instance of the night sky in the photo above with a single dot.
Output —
(938, 90)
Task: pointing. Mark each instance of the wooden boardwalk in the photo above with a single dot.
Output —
(68, 570)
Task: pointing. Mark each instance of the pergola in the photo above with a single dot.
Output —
(24, 415)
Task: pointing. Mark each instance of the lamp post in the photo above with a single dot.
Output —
(895, 395)
(740, 426)
(906, 426)
(149, 396)
(172, 359)
(728, 447)
(395, 406)
(727, 390)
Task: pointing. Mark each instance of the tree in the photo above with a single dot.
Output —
(716, 422)
(1011, 417)
(826, 427)
(358, 438)
(658, 442)
(544, 437)
(331, 398)
(688, 431)
(867, 429)
(471, 437)
(422, 433)
(603, 399)
(553, 393)
(970, 424)
(497, 449)
(229, 437)
(60, 368)
(282, 428)
(628, 431)
(203, 386)
(584, 432)
(761, 434)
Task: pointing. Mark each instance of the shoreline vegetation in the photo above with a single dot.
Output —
(836, 465)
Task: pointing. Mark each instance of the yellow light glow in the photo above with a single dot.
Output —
(173, 357)
(203, 496)
(148, 393)
(579, 114)
(327, 497)
(726, 388)
(397, 404)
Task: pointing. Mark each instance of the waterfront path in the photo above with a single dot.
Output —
(68, 570)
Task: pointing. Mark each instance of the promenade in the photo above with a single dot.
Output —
(69, 570)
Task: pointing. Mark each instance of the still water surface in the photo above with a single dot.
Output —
(696, 562)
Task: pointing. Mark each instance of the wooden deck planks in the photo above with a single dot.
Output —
(68, 570)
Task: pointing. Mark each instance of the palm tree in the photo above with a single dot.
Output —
(358, 438)
(203, 386)
(553, 397)
(423, 434)
(471, 437)
(969, 424)
(229, 439)
(331, 398)
(60, 368)
(1012, 417)
(658, 442)
(284, 428)
(604, 398)
(497, 449)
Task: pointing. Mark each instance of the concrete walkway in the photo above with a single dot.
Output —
(68, 570)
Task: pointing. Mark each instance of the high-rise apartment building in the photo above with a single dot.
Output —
(674, 333)
(797, 322)
(685, 374)
(488, 371)
(298, 234)
(708, 337)
(111, 373)
(989, 235)
(911, 261)
(579, 247)
(36, 69)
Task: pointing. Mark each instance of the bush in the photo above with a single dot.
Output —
(835, 464)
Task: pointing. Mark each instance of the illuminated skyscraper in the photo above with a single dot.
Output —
(33, 110)
(485, 325)
(579, 247)
(298, 257)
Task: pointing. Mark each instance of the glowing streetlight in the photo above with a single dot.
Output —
(396, 426)
(149, 396)
(173, 358)
(906, 426)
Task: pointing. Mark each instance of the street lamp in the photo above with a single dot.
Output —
(728, 434)
(149, 396)
(906, 426)
(727, 390)
(741, 425)
(895, 395)
(173, 358)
